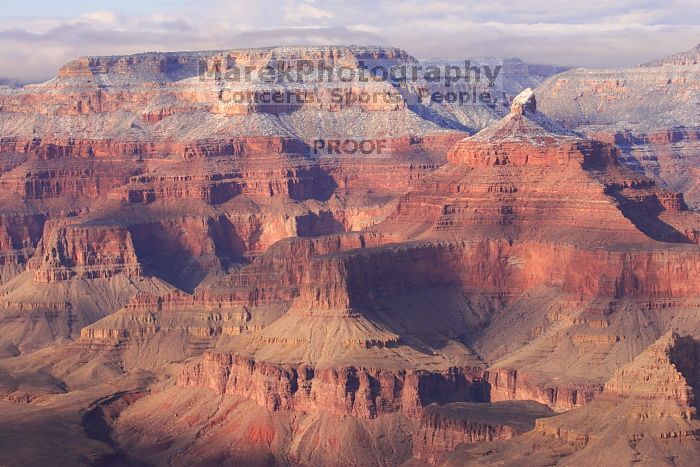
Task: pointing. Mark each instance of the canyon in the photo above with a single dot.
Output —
(186, 280)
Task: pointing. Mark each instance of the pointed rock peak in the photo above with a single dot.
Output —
(664, 370)
(524, 124)
(524, 102)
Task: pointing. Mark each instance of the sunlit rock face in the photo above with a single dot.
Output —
(648, 111)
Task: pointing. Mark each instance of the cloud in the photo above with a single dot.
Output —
(595, 34)
(306, 11)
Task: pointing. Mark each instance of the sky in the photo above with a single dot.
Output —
(38, 36)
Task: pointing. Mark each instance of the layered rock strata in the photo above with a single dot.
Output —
(360, 392)
(646, 110)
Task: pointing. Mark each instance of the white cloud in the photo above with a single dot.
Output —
(102, 18)
(306, 11)
(597, 33)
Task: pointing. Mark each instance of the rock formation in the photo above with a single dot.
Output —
(491, 182)
(647, 111)
(646, 414)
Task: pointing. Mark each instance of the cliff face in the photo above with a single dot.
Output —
(19, 236)
(654, 398)
(239, 431)
(444, 428)
(508, 385)
(359, 392)
(667, 370)
(42, 180)
(647, 111)
(88, 253)
(529, 178)
(192, 103)
(354, 279)
(647, 410)
(219, 309)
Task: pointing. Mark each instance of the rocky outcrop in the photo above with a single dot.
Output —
(41, 180)
(147, 315)
(88, 252)
(645, 414)
(668, 370)
(19, 236)
(236, 304)
(444, 428)
(647, 111)
(527, 177)
(524, 102)
(690, 57)
(360, 392)
(277, 274)
(648, 402)
(508, 385)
